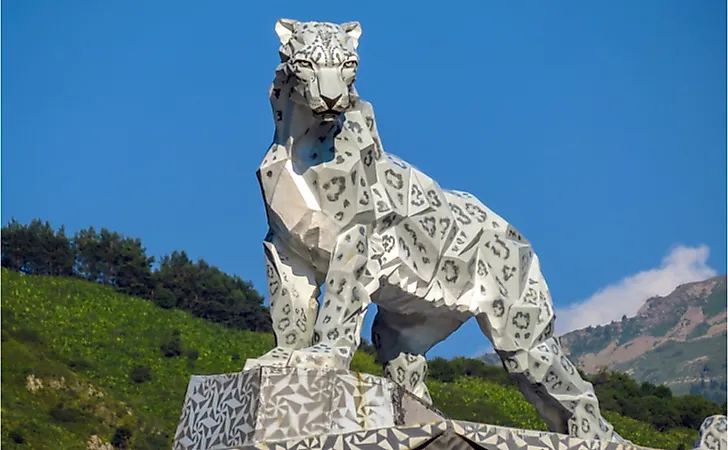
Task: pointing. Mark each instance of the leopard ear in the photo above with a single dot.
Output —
(353, 30)
(284, 29)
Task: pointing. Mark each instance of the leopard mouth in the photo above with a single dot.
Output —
(328, 115)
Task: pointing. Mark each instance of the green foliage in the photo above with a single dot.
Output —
(150, 442)
(444, 370)
(17, 436)
(649, 403)
(37, 249)
(207, 292)
(109, 258)
(478, 400)
(695, 409)
(172, 346)
(713, 390)
(644, 434)
(121, 438)
(141, 374)
(366, 363)
(192, 355)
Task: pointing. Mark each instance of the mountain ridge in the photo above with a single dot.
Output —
(678, 340)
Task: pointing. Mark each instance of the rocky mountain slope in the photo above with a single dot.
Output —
(678, 340)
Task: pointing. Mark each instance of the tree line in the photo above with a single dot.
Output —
(112, 259)
(711, 389)
(651, 403)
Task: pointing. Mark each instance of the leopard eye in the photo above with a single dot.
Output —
(304, 63)
(351, 64)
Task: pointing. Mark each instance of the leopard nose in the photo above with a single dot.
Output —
(331, 102)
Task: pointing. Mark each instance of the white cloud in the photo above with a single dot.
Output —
(625, 297)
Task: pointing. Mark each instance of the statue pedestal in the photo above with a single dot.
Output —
(286, 408)
(275, 404)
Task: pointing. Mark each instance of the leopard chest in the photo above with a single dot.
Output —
(318, 187)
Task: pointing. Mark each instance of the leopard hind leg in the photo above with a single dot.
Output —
(546, 377)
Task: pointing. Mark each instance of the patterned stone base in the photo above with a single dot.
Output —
(286, 408)
(442, 435)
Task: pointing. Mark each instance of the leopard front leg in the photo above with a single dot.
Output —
(338, 326)
(293, 291)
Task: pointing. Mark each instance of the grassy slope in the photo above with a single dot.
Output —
(93, 338)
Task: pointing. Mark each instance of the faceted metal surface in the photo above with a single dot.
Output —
(712, 435)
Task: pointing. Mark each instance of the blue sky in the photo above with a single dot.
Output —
(596, 128)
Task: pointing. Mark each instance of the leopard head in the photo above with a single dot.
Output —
(321, 61)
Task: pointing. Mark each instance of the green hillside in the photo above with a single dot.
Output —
(81, 360)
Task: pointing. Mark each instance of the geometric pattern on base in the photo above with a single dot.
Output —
(443, 435)
(219, 411)
(295, 409)
(270, 404)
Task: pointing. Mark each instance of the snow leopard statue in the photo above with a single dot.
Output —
(373, 228)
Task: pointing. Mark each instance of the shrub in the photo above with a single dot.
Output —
(140, 374)
(17, 436)
(172, 346)
(121, 438)
(164, 297)
(29, 335)
(192, 354)
(66, 414)
(81, 363)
